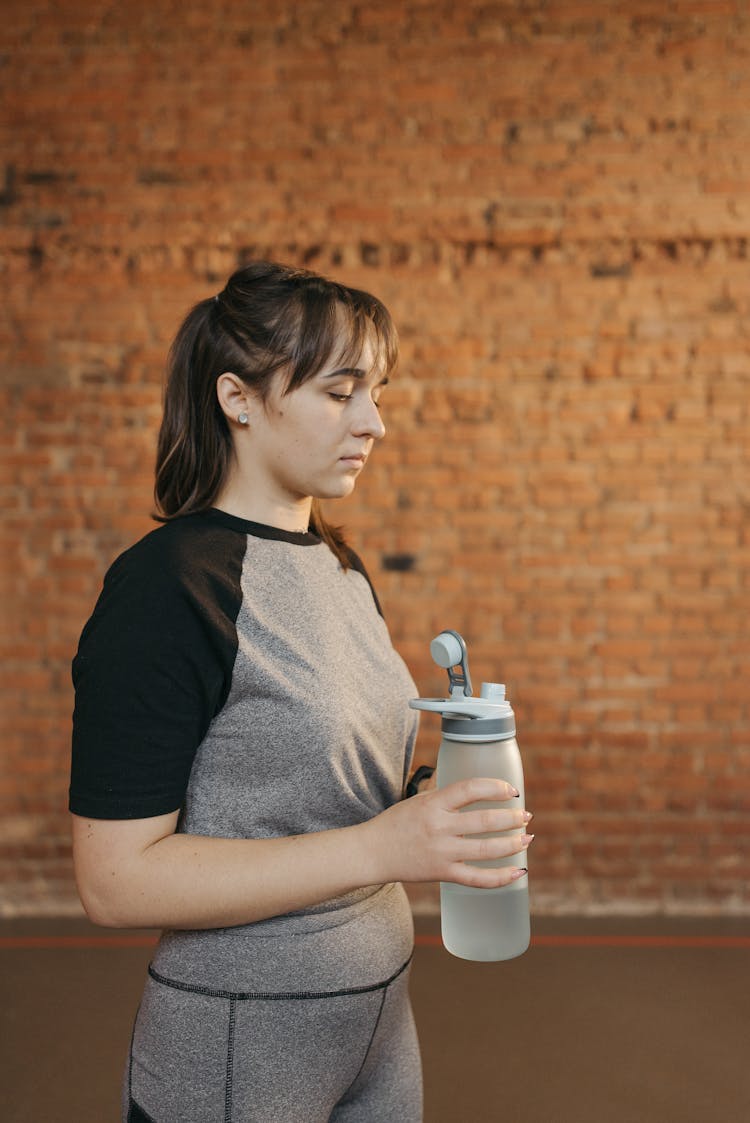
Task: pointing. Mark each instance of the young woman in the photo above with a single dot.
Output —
(242, 739)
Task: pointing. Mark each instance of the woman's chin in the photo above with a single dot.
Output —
(338, 490)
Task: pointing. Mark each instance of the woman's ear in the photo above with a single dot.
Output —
(234, 398)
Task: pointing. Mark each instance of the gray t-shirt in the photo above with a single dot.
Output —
(239, 674)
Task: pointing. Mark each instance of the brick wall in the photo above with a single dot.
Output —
(553, 199)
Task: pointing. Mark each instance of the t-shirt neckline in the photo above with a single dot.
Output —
(261, 530)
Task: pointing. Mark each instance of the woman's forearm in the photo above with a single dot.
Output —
(193, 881)
(140, 873)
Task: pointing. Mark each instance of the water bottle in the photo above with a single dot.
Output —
(479, 739)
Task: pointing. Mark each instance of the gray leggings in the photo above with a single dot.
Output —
(203, 1055)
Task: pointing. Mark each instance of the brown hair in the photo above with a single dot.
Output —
(268, 318)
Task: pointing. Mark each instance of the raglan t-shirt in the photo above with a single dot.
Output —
(238, 673)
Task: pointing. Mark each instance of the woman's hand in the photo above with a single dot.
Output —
(429, 836)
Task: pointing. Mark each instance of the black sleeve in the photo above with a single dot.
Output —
(152, 669)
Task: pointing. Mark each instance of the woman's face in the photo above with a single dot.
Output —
(315, 440)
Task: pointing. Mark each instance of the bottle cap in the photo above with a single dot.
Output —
(460, 710)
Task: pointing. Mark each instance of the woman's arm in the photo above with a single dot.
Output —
(139, 873)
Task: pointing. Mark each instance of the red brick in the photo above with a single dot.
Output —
(567, 445)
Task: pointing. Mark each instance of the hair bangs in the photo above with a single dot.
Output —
(334, 324)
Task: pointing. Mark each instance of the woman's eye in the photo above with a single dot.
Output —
(341, 397)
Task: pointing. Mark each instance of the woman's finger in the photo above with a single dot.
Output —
(493, 848)
(475, 790)
(482, 877)
(490, 820)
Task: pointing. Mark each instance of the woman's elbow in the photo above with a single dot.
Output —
(101, 908)
(108, 859)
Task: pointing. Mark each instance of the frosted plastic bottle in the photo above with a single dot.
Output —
(479, 739)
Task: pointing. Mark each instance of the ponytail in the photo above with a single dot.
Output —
(194, 448)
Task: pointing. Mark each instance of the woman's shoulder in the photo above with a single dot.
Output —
(180, 582)
(181, 548)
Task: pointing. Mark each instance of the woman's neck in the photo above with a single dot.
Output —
(291, 514)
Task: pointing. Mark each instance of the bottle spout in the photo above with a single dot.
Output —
(493, 691)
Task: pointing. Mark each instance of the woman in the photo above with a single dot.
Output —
(242, 738)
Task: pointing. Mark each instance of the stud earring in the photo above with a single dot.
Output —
(242, 418)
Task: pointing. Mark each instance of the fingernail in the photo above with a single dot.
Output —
(527, 816)
(526, 839)
(520, 872)
(513, 791)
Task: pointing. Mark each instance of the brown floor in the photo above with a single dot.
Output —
(606, 1021)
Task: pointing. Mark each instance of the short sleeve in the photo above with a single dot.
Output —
(153, 668)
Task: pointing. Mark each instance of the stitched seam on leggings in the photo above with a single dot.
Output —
(130, 1059)
(369, 1043)
(273, 996)
(230, 1062)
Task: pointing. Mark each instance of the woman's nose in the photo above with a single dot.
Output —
(369, 421)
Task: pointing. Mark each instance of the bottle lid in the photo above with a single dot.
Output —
(491, 708)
